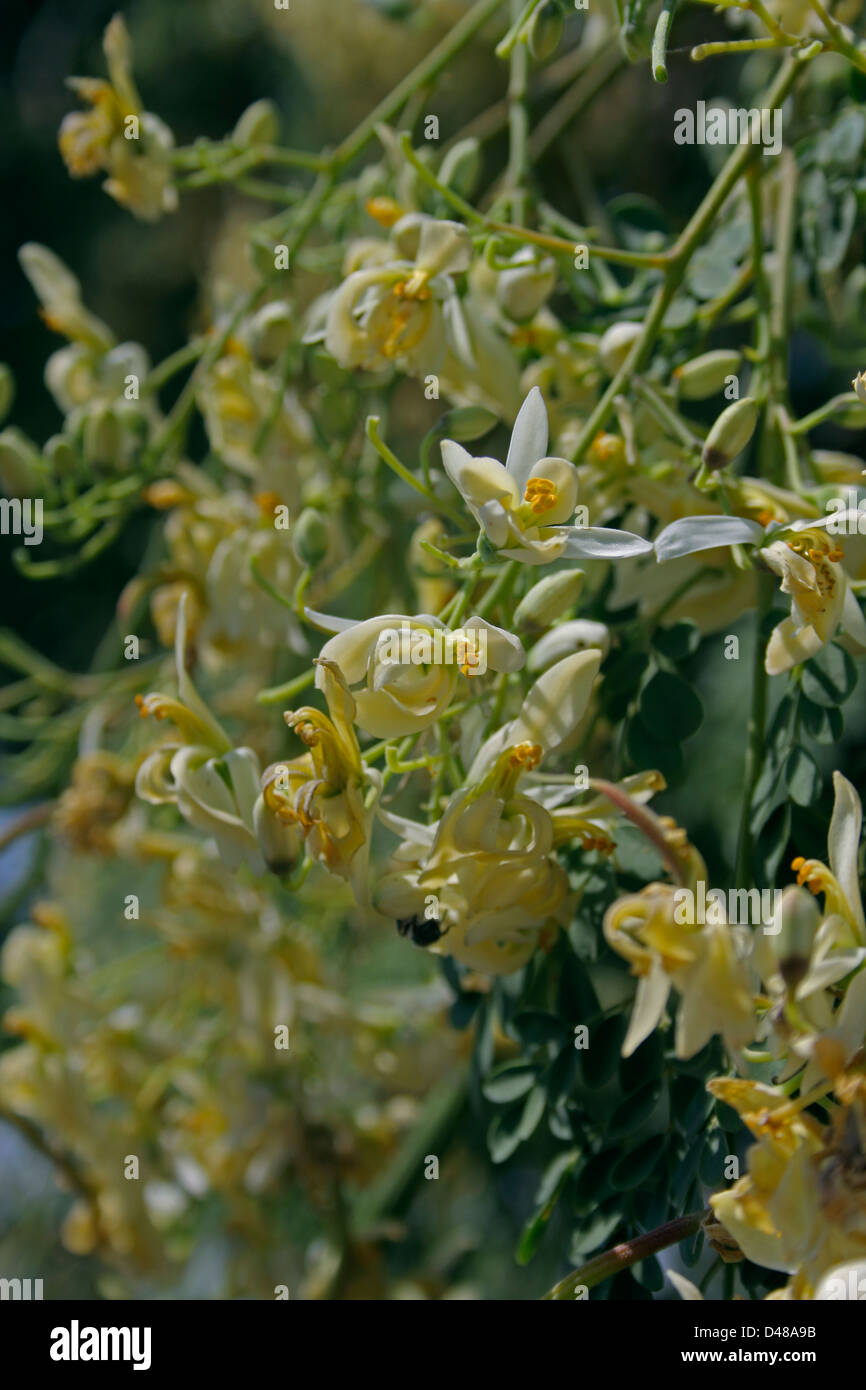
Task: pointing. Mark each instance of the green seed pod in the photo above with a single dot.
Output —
(258, 125)
(21, 472)
(731, 433)
(7, 391)
(311, 537)
(545, 31)
(461, 167)
(549, 598)
(705, 375)
(616, 344)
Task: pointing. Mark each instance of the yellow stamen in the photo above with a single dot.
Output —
(541, 495)
(385, 211)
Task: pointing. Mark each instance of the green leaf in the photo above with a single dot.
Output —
(829, 677)
(646, 751)
(599, 1061)
(803, 777)
(503, 1135)
(770, 846)
(533, 1026)
(635, 1166)
(670, 709)
(548, 1191)
(821, 724)
(509, 1083)
(536, 1104)
(592, 1234)
(679, 641)
(631, 1114)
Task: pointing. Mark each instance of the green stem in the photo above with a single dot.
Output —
(437, 59)
(755, 745)
(621, 1257)
(390, 458)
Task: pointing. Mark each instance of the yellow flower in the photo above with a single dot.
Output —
(320, 800)
(213, 785)
(115, 135)
(801, 1208)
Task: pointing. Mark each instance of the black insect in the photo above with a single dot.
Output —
(423, 931)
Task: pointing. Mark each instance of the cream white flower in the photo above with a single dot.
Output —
(131, 145)
(806, 561)
(392, 312)
(525, 505)
(482, 882)
(394, 698)
(320, 800)
(213, 785)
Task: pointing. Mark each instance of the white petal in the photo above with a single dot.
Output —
(692, 533)
(504, 650)
(528, 438)
(852, 618)
(649, 1005)
(577, 635)
(603, 542)
(556, 703)
(789, 645)
(444, 246)
(684, 1287)
(843, 841)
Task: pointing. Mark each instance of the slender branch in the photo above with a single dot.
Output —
(621, 1257)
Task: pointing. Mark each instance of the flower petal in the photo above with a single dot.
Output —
(528, 438)
(603, 542)
(689, 534)
(843, 843)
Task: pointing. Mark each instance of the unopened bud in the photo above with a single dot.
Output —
(258, 125)
(461, 167)
(7, 391)
(731, 433)
(859, 384)
(705, 375)
(271, 331)
(545, 31)
(522, 290)
(549, 599)
(616, 344)
(311, 537)
(21, 473)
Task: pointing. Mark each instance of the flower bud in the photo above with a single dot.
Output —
(461, 167)
(549, 598)
(545, 31)
(21, 473)
(731, 433)
(616, 344)
(102, 437)
(522, 290)
(258, 125)
(578, 635)
(311, 537)
(859, 384)
(705, 375)
(7, 391)
(271, 331)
